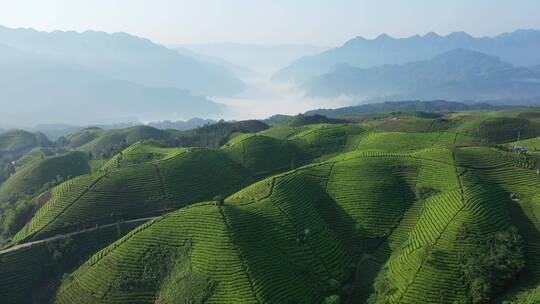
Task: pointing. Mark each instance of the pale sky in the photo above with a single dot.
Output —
(325, 23)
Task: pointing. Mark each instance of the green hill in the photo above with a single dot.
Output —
(36, 177)
(147, 180)
(317, 232)
(32, 156)
(101, 144)
(218, 134)
(135, 191)
(424, 211)
(84, 136)
(17, 142)
(109, 142)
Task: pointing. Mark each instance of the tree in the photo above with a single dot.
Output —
(219, 199)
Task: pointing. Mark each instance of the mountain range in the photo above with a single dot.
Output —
(121, 56)
(38, 90)
(520, 48)
(454, 75)
(258, 57)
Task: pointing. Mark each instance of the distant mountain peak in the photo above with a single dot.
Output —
(122, 56)
(519, 48)
(459, 35)
(432, 35)
(458, 74)
(384, 36)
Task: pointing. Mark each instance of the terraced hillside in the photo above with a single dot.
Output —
(318, 213)
(313, 234)
(147, 180)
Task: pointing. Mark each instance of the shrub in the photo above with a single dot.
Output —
(219, 199)
(423, 193)
(333, 299)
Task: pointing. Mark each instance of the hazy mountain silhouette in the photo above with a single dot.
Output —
(218, 63)
(124, 57)
(455, 75)
(261, 58)
(34, 90)
(520, 48)
(408, 105)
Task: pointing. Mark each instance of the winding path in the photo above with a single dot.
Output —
(24, 245)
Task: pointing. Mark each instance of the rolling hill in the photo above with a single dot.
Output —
(411, 207)
(520, 48)
(150, 180)
(329, 233)
(15, 143)
(102, 144)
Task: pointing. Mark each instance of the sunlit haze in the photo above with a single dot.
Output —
(264, 46)
(320, 22)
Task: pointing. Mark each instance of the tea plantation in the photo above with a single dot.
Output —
(412, 210)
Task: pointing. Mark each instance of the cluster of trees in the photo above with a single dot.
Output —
(14, 218)
(493, 264)
(487, 268)
(108, 152)
(6, 170)
(208, 136)
(215, 135)
(423, 193)
(505, 129)
(62, 254)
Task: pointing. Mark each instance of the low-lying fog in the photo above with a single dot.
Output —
(264, 98)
